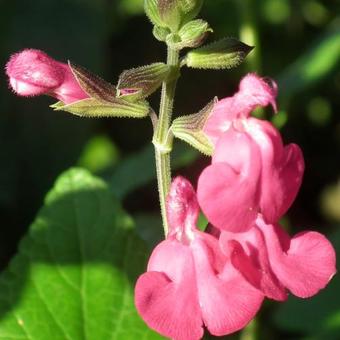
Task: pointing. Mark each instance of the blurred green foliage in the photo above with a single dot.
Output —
(297, 43)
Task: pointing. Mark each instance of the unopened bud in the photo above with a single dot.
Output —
(32, 72)
(191, 34)
(172, 14)
(223, 54)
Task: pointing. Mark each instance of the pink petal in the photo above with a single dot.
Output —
(228, 189)
(228, 302)
(256, 91)
(32, 72)
(166, 296)
(34, 68)
(220, 119)
(282, 170)
(182, 207)
(249, 256)
(70, 90)
(306, 266)
(253, 91)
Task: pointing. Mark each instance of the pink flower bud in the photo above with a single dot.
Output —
(32, 72)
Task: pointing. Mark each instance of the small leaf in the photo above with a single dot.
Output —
(144, 80)
(190, 129)
(223, 54)
(90, 107)
(93, 85)
(191, 34)
(74, 275)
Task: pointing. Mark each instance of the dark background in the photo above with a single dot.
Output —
(297, 44)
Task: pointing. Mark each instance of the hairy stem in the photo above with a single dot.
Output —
(162, 150)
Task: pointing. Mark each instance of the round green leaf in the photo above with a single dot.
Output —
(74, 275)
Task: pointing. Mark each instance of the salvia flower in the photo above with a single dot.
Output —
(32, 72)
(190, 282)
(273, 262)
(251, 170)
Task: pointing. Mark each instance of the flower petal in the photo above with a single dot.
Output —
(256, 91)
(227, 190)
(249, 256)
(282, 169)
(228, 302)
(166, 296)
(306, 266)
(253, 91)
(182, 208)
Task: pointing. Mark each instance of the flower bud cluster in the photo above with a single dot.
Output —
(219, 278)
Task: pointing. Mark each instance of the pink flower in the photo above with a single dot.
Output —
(253, 91)
(273, 262)
(32, 72)
(251, 171)
(190, 282)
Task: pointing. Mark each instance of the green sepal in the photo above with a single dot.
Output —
(142, 81)
(160, 33)
(191, 34)
(93, 85)
(91, 107)
(222, 54)
(152, 11)
(172, 14)
(191, 8)
(190, 129)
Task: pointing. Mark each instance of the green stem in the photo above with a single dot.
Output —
(162, 150)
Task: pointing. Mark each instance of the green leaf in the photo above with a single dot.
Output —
(313, 66)
(91, 107)
(93, 85)
(319, 316)
(222, 54)
(190, 129)
(143, 80)
(74, 275)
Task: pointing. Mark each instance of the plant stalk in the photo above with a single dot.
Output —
(162, 150)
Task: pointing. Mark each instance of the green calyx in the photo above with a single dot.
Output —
(192, 34)
(222, 54)
(103, 99)
(140, 82)
(94, 108)
(189, 128)
(172, 14)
